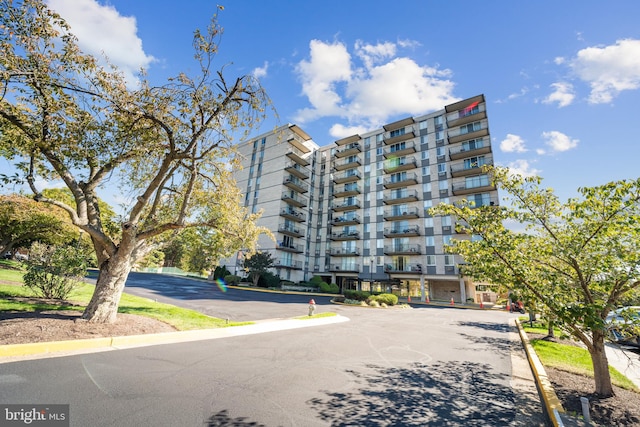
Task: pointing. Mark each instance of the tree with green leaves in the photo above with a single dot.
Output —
(168, 148)
(23, 221)
(258, 264)
(577, 259)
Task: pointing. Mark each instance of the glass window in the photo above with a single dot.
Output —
(443, 185)
(367, 142)
(446, 221)
(431, 260)
(380, 210)
(396, 132)
(426, 171)
(429, 241)
(422, 125)
(379, 226)
(440, 151)
(425, 155)
(426, 187)
(442, 168)
(428, 222)
(366, 228)
(379, 138)
(379, 243)
(379, 151)
(367, 244)
(446, 240)
(449, 260)
(380, 195)
(367, 168)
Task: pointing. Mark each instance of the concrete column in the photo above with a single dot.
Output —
(423, 294)
(463, 292)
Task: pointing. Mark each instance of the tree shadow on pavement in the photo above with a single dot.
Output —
(222, 419)
(452, 393)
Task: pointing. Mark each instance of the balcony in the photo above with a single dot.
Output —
(345, 177)
(348, 268)
(287, 263)
(293, 214)
(291, 247)
(456, 136)
(346, 220)
(462, 152)
(296, 184)
(346, 206)
(294, 199)
(400, 180)
(407, 268)
(477, 202)
(397, 196)
(297, 156)
(299, 138)
(463, 188)
(398, 214)
(351, 189)
(345, 235)
(399, 150)
(348, 150)
(408, 231)
(347, 163)
(296, 169)
(348, 140)
(343, 251)
(290, 230)
(402, 249)
(463, 117)
(461, 169)
(401, 164)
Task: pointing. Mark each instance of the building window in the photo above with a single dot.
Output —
(423, 141)
(379, 226)
(425, 155)
(474, 162)
(366, 228)
(428, 222)
(442, 169)
(431, 260)
(396, 132)
(429, 241)
(367, 169)
(443, 185)
(428, 204)
(380, 195)
(426, 170)
(439, 137)
(471, 127)
(449, 260)
(422, 125)
(426, 187)
(379, 138)
(440, 152)
(439, 122)
(379, 244)
(379, 151)
(476, 181)
(367, 142)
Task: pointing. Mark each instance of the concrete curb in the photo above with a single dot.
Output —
(552, 405)
(131, 341)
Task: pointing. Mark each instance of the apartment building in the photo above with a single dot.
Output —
(356, 211)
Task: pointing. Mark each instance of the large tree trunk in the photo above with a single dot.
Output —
(103, 306)
(600, 366)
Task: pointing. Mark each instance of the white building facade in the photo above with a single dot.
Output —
(356, 211)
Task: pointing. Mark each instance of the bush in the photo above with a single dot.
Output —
(221, 272)
(329, 289)
(388, 299)
(357, 295)
(232, 279)
(53, 272)
(268, 280)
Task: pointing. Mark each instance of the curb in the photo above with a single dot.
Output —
(121, 342)
(552, 405)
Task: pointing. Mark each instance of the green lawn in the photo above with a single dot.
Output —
(180, 318)
(570, 358)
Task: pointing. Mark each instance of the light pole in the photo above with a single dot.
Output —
(371, 261)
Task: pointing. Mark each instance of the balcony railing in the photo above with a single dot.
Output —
(287, 263)
(293, 214)
(290, 230)
(345, 206)
(350, 189)
(395, 214)
(461, 152)
(407, 268)
(396, 196)
(298, 170)
(348, 176)
(348, 150)
(343, 251)
(296, 184)
(291, 247)
(398, 151)
(400, 180)
(349, 268)
(408, 231)
(298, 156)
(462, 169)
(347, 164)
(463, 188)
(403, 249)
(345, 235)
(295, 199)
(346, 220)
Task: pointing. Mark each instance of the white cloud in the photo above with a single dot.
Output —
(523, 168)
(558, 141)
(366, 93)
(260, 72)
(512, 144)
(562, 94)
(609, 70)
(101, 30)
(340, 131)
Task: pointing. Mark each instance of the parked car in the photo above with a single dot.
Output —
(623, 325)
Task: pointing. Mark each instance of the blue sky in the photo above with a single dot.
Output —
(561, 78)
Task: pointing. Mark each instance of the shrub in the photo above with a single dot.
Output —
(357, 295)
(373, 303)
(316, 280)
(232, 279)
(388, 299)
(53, 271)
(221, 272)
(329, 288)
(268, 280)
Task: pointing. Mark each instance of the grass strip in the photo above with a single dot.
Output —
(180, 318)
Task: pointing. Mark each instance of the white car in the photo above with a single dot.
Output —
(623, 325)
